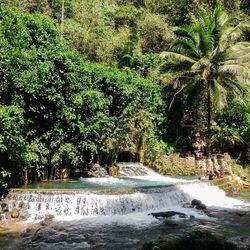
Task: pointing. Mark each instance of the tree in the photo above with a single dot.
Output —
(232, 130)
(208, 57)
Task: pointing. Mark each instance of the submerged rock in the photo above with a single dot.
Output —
(168, 214)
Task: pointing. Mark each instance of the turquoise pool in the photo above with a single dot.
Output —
(106, 182)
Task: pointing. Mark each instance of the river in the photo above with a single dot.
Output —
(108, 213)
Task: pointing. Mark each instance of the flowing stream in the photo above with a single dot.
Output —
(113, 213)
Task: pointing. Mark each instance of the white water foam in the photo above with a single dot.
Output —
(123, 207)
(212, 196)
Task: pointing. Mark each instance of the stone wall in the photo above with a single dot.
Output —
(176, 165)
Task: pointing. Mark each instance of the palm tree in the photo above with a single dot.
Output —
(209, 57)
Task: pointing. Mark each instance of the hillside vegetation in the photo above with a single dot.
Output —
(83, 81)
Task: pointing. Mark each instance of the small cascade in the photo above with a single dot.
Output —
(160, 194)
(76, 204)
(132, 169)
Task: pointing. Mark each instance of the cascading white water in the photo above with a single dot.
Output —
(173, 195)
(79, 204)
(132, 169)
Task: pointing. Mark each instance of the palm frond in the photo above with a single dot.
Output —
(240, 71)
(185, 44)
(182, 91)
(232, 34)
(203, 62)
(240, 90)
(240, 49)
(218, 94)
(220, 16)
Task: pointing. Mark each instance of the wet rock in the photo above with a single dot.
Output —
(21, 204)
(168, 214)
(47, 220)
(198, 205)
(195, 203)
(37, 235)
(14, 213)
(4, 207)
(201, 207)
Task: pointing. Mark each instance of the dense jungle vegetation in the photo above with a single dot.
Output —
(82, 81)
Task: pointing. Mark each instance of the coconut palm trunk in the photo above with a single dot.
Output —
(209, 115)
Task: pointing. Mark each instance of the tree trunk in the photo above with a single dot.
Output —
(26, 180)
(208, 121)
(62, 18)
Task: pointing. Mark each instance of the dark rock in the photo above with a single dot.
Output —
(21, 204)
(201, 207)
(4, 207)
(14, 213)
(168, 214)
(195, 203)
(241, 213)
(198, 205)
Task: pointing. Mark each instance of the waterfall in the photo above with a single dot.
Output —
(174, 195)
(132, 169)
(80, 204)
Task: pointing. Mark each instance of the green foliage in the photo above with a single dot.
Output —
(67, 112)
(4, 175)
(156, 33)
(13, 147)
(233, 126)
